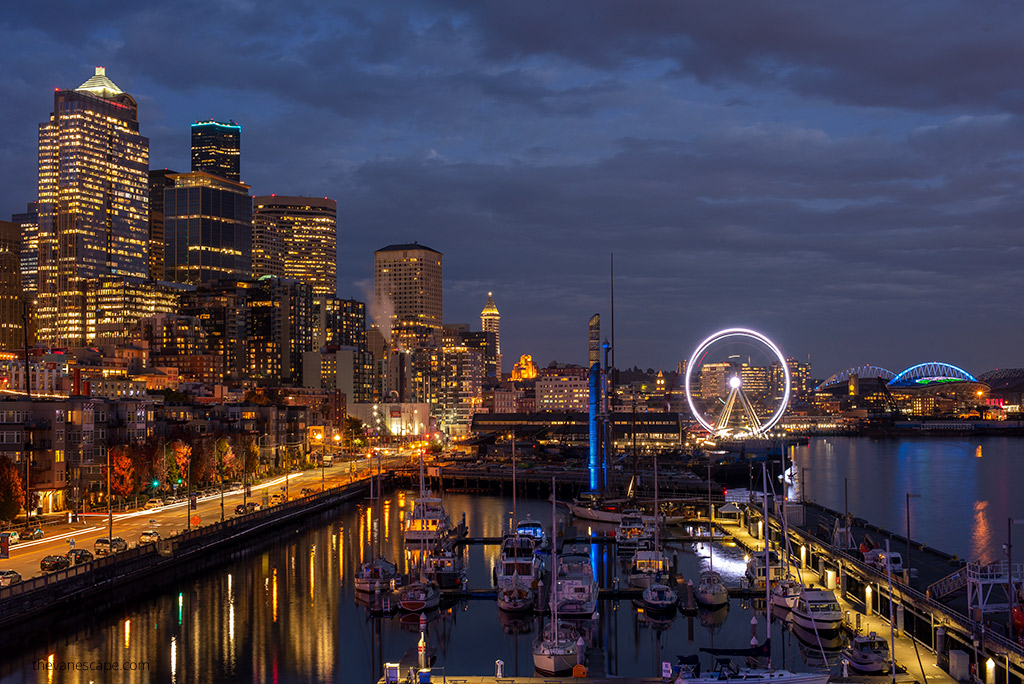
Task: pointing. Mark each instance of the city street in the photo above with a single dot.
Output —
(173, 518)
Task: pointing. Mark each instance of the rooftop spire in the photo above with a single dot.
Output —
(100, 86)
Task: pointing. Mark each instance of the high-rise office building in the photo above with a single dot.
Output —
(490, 321)
(159, 181)
(407, 288)
(93, 201)
(29, 222)
(297, 238)
(207, 229)
(11, 303)
(217, 148)
(280, 326)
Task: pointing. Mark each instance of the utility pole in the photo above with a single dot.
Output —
(28, 431)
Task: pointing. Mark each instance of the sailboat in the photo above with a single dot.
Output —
(429, 522)
(378, 572)
(658, 598)
(555, 650)
(650, 565)
(711, 591)
(519, 568)
(425, 594)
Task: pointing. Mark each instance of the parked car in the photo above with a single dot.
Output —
(276, 499)
(9, 577)
(13, 538)
(51, 563)
(103, 545)
(253, 506)
(306, 491)
(149, 537)
(248, 507)
(153, 503)
(35, 534)
(79, 556)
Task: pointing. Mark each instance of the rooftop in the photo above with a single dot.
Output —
(100, 86)
(407, 247)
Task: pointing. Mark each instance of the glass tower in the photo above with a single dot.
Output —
(216, 148)
(297, 238)
(93, 201)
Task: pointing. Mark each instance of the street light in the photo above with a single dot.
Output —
(906, 566)
(1009, 566)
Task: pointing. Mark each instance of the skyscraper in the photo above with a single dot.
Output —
(490, 321)
(159, 180)
(93, 201)
(207, 229)
(29, 222)
(297, 238)
(407, 290)
(11, 330)
(217, 148)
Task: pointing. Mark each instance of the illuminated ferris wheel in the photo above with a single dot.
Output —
(737, 384)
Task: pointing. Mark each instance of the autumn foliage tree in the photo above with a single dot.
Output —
(12, 494)
(122, 474)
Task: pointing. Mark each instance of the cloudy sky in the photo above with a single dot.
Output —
(846, 177)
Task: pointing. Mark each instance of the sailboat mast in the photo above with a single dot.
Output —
(515, 515)
(554, 566)
(767, 566)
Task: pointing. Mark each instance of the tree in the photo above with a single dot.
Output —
(122, 474)
(12, 494)
(181, 458)
(225, 458)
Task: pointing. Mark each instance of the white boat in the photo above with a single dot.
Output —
(516, 596)
(648, 567)
(518, 559)
(611, 511)
(419, 597)
(375, 574)
(428, 523)
(535, 531)
(869, 655)
(575, 586)
(630, 531)
(818, 610)
(711, 590)
(659, 600)
(555, 650)
(785, 594)
(755, 569)
(728, 671)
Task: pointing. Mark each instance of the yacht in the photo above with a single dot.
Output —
(554, 651)
(711, 590)
(658, 600)
(649, 566)
(447, 568)
(575, 586)
(518, 559)
(374, 574)
(688, 671)
(630, 531)
(868, 655)
(818, 610)
(755, 569)
(419, 597)
(785, 594)
(428, 523)
(535, 531)
(516, 596)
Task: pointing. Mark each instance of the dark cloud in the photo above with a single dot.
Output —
(847, 177)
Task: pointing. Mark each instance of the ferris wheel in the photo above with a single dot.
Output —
(737, 383)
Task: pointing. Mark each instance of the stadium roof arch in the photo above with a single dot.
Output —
(865, 371)
(929, 375)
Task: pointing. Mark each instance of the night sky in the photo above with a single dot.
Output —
(846, 177)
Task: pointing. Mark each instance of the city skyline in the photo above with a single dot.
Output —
(844, 180)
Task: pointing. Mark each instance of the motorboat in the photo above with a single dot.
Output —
(711, 590)
(648, 567)
(688, 671)
(756, 569)
(375, 574)
(594, 506)
(817, 610)
(575, 587)
(534, 530)
(419, 597)
(428, 523)
(785, 594)
(658, 600)
(447, 568)
(869, 655)
(555, 650)
(518, 559)
(516, 596)
(630, 531)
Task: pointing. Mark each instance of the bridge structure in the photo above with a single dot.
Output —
(930, 375)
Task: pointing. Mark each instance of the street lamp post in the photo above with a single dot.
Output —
(110, 510)
(1009, 568)
(906, 566)
(188, 488)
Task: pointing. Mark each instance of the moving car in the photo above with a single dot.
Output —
(149, 537)
(276, 499)
(35, 534)
(79, 556)
(14, 538)
(103, 545)
(248, 507)
(153, 503)
(51, 563)
(9, 577)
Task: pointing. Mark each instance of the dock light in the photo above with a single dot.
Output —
(990, 671)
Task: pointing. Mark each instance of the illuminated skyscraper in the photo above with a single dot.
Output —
(407, 289)
(93, 201)
(29, 222)
(207, 229)
(490, 321)
(11, 324)
(297, 238)
(159, 180)
(216, 148)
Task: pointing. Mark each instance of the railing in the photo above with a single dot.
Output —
(947, 585)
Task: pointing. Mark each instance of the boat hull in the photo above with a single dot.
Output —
(554, 664)
(586, 513)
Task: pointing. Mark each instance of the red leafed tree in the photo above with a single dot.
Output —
(226, 461)
(12, 494)
(122, 475)
(182, 456)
